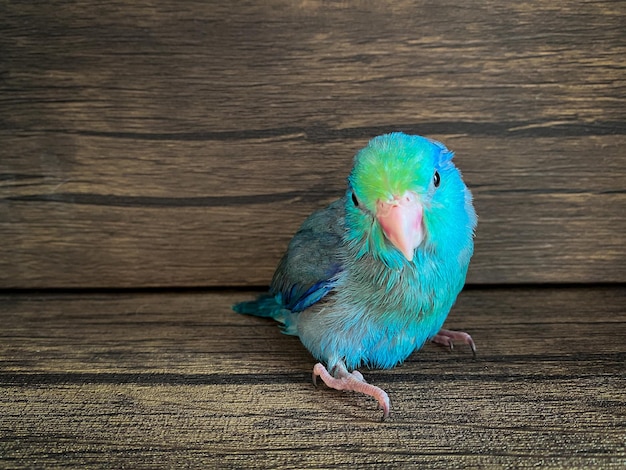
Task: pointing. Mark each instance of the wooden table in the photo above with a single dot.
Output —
(175, 380)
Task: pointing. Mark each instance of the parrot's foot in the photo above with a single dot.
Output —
(353, 381)
(448, 337)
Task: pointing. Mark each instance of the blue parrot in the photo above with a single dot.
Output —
(370, 278)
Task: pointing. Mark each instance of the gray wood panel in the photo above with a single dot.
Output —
(143, 144)
(178, 380)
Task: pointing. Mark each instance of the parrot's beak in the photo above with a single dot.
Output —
(401, 221)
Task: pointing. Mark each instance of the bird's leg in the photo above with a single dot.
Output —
(354, 381)
(447, 338)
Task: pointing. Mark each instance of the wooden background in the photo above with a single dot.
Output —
(156, 157)
(153, 144)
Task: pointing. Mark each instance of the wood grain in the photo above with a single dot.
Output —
(178, 380)
(146, 145)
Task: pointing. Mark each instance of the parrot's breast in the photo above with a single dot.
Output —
(376, 314)
(378, 331)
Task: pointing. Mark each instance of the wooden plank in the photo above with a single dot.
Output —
(145, 148)
(177, 379)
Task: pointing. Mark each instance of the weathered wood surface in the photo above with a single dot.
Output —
(153, 144)
(177, 380)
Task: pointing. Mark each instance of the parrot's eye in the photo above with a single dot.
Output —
(436, 179)
(355, 201)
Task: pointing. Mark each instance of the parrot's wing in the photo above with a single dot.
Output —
(309, 268)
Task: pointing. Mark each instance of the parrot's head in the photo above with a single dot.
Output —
(405, 195)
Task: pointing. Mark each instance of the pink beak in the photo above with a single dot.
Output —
(401, 220)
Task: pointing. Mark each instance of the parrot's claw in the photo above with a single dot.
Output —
(352, 381)
(447, 338)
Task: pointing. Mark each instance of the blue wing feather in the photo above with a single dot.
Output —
(307, 271)
(314, 294)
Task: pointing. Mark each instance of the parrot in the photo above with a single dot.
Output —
(371, 278)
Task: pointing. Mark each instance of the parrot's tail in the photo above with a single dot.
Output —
(268, 306)
(264, 306)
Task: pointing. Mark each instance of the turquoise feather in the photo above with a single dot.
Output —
(348, 293)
